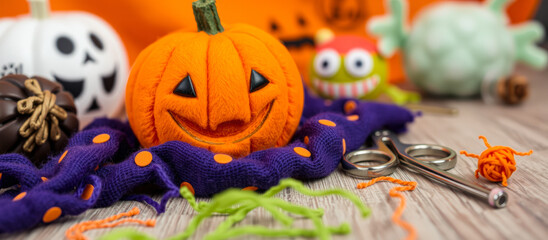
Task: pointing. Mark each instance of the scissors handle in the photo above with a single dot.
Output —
(439, 156)
(352, 163)
(496, 197)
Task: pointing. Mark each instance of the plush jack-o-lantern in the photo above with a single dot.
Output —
(231, 90)
(76, 49)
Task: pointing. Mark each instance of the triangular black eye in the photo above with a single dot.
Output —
(257, 81)
(185, 88)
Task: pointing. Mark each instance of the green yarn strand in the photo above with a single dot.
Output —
(237, 204)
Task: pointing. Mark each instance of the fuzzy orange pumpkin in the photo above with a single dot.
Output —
(231, 90)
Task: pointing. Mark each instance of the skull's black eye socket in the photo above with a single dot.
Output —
(257, 81)
(185, 88)
(96, 41)
(64, 45)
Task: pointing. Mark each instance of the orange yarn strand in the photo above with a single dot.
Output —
(395, 192)
(76, 232)
(496, 163)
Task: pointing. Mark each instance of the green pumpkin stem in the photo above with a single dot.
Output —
(39, 9)
(207, 18)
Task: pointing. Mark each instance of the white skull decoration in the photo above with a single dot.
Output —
(77, 49)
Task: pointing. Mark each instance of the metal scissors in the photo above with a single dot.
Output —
(430, 160)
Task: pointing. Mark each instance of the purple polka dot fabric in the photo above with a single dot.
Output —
(110, 167)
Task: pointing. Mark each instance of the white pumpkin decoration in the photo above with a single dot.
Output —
(77, 49)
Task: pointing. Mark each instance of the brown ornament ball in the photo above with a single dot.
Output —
(37, 117)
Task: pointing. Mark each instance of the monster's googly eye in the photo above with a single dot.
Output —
(358, 62)
(327, 63)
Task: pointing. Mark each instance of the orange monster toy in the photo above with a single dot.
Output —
(231, 90)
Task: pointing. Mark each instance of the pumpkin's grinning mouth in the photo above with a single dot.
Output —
(180, 124)
(299, 42)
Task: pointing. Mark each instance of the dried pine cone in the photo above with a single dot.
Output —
(513, 89)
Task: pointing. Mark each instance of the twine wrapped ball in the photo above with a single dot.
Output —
(37, 117)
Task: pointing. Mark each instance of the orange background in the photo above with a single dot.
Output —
(140, 22)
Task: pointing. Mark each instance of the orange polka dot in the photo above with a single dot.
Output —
(306, 140)
(302, 151)
(222, 158)
(44, 179)
(63, 156)
(52, 214)
(250, 188)
(19, 196)
(101, 138)
(143, 158)
(189, 186)
(350, 106)
(88, 191)
(353, 117)
(96, 168)
(327, 123)
(0, 176)
(328, 102)
(344, 146)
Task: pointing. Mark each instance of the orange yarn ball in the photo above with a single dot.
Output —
(496, 163)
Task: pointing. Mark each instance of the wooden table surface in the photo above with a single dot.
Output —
(437, 212)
